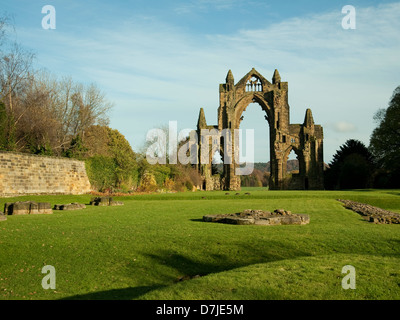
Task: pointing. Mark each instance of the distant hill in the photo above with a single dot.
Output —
(292, 165)
(261, 173)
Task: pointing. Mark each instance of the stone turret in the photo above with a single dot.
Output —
(229, 78)
(309, 120)
(202, 123)
(230, 81)
(276, 77)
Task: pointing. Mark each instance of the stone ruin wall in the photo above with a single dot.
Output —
(305, 139)
(26, 174)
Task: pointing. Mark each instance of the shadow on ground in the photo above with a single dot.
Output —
(116, 294)
(185, 267)
(226, 258)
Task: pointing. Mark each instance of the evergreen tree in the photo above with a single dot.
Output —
(352, 167)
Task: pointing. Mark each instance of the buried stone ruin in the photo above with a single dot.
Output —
(27, 207)
(260, 217)
(105, 201)
(372, 214)
(70, 206)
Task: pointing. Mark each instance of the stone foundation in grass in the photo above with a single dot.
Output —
(105, 201)
(27, 207)
(371, 213)
(259, 217)
(70, 206)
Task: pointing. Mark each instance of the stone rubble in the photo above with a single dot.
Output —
(371, 213)
(31, 207)
(105, 201)
(27, 207)
(260, 217)
(70, 206)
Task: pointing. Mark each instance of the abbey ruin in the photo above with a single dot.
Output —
(305, 139)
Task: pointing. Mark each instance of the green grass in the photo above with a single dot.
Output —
(142, 249)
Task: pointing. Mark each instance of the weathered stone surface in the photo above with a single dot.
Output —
(44, 208)
(3, 217)
(20, 208)
(27, 207)
(105, 201)
(70, 206)
(305, 139)
(101, 201)
(31, 174)
(34, 208)
(259, 217)
(116, 203)
(371, 213)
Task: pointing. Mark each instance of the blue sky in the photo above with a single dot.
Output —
(161, 61)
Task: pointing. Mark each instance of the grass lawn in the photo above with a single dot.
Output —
(143, 249)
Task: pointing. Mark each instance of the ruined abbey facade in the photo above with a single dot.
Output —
(305, 139)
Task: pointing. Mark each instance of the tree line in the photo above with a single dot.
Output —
(357, 166)
(45, 115)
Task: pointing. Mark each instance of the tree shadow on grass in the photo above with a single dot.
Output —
(395, 193)
(188, 266)
(116, 294)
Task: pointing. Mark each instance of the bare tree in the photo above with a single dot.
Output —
(15, 70)
(41, 110)
(4, 26)
(79, 108)
(56, 112)
(15, 73)
(37, 126)
(3, 23)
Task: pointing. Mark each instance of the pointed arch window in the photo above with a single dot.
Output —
(253, 85)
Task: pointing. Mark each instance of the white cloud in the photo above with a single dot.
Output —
(344, 127)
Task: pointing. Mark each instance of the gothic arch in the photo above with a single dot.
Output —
(242, 105)
(306, 139)
(299, 155)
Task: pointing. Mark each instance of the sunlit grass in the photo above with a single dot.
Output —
(142, 249)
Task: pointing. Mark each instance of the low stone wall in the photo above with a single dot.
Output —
(371, 213)
(70, 206)
(26, 174)
(27, 207)
(105, 202)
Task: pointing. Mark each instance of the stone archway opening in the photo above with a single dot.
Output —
(255, 118)
(294, 177)
(292, 163)
(217, 163)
